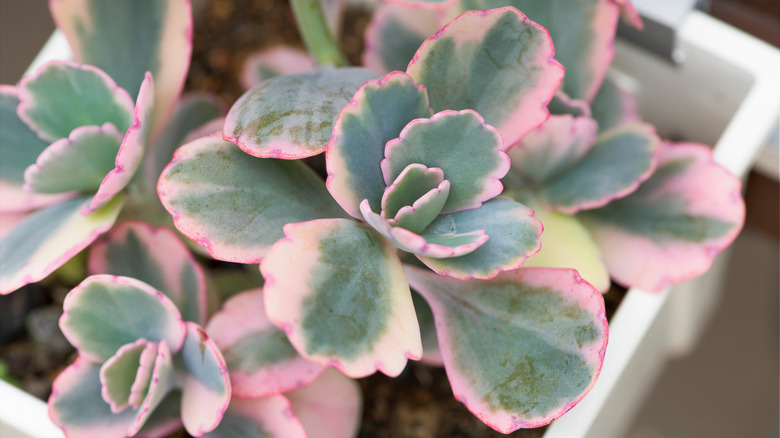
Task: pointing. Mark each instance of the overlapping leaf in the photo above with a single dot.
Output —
(338, 290)
(292, 116)
(521, 349)
(235, 205)
(498, 63)
(672, 227)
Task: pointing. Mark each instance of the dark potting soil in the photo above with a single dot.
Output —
(417, 404)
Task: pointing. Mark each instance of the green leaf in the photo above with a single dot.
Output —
(235, 205)
(521, 349)
(62, 96)
(292, 116)
(338, 290)
(496, 62)
(513, 236)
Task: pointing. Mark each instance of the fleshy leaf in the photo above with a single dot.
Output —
(90, 149)
(467, 150)
(120, 372)
(672, 227)
(50, 237)
(394, 35)
(566, 243)
(376, 115)
(513, 231)
(276, 61)
(143, 376)
(268, 417)
(206, 392)
(498, 63)
(521, 349)
(260, 359)
(435, 244)
(165, 419)
(76, 406)
(292, 116)
(161, 383)
(614, 167)
(423, 211)
(614, 106)
(131, 152)
(221, 198)
(191, 112)
(62, 96)
(411, 183)
(157, 257)
(330, 407)
(583, 33)
(105, 312)
(19, 146)
(127, 38)
(338, 290)
(553, 148)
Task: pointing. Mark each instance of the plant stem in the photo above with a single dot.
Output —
(315, 33)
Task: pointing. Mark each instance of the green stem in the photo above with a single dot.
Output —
(315, 33)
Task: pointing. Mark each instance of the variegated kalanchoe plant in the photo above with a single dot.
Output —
(484, 181)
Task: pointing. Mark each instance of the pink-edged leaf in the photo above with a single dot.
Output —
(131, 152)
(105, 312)
(157, 257)
(62, 95)
(521, 349)
(292, 116)
(76, 406)
(619, 161)
(513, 236)
(562, 104)
(127, 38)
(553, 148)
(394, 35)
(498, 63)
(19, 148)
(90, 149)
(161, 383)
(260, 359)
(378, 112)
(330, 407)
(338, 290)
(583, 33)
(566, 243)
(435, 245)
(208, 129)
(462, 145)
(414, 181)
(120, 372)
(269, 417)
(206, 391)
(273, 62)
(614, 106)
(143, 376)
(235, 205)
(672, 227)
(48, 238)
(191, 113)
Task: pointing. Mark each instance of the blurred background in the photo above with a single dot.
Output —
(729, 385)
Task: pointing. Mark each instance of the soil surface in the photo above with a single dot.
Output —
(417, 404)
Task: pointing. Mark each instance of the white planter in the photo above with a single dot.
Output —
(728, 79)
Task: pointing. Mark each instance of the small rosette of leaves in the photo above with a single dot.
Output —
(135, 352)
(427, 184)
